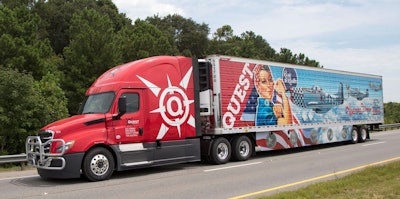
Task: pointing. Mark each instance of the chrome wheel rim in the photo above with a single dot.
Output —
(99, 164)
(222, 151)
(244, 148)
(363, 134)
(354, 135)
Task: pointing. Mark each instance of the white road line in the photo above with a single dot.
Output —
(12, 178)
(373, 143)
(230, 167)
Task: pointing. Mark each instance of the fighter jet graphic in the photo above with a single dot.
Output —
(375, 87)
(357, 93)
(316, 98)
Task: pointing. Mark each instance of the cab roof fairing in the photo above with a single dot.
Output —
(124, 76)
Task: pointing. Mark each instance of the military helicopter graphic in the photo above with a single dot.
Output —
(316, 98)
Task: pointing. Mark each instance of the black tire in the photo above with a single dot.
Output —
(242, 148)
(220, 151)
(363, 134)
(355, 134)
(98, 164)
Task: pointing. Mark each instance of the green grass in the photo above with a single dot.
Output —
(10, 167)
(373, 182)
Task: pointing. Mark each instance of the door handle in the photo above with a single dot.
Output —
(140, 131)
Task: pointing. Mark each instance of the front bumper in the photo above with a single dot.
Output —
(72, 168)
(52, 165)
(38, 153)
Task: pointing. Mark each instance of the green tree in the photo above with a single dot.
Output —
(392, 112)
(143, 40)
(189, 37)
(223, 34)
(14, 4)
(248, 44)
(255, 46)
(18, 109)
(28, 67)
(53, 103)
(93, 49)
(222, 41)
(285, 55)
(20, 45)
(56, 18)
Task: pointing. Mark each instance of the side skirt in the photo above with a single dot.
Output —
(140, 155)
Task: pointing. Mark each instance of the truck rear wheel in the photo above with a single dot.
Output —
(363, 134)
(355, 134)
(242, 148)
(220, 151)
(98, 164)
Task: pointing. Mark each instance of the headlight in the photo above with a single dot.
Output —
(68, 145)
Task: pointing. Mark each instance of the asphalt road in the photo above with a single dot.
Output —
(264, 174)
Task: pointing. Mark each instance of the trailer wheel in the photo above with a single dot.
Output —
(242, 148)
(98, 164)
(220, 151)
(354, 135)
(363, 132)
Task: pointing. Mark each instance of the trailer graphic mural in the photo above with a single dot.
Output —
(316, 103)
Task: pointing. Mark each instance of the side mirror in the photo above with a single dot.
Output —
(121, 108)
(80, 108)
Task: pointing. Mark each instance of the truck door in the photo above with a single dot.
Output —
(129, 129)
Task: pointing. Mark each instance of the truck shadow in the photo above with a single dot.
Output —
(37, 181)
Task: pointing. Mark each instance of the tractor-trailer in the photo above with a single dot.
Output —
(173, 109)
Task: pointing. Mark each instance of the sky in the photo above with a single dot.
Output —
(351, 35)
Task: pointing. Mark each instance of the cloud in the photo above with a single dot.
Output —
(315, 18)
(135, 9)
(352, 35)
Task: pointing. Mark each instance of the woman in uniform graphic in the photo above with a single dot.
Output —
(270, 109)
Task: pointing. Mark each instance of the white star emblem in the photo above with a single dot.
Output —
(174, 105)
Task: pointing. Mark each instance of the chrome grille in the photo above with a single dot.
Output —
(38, 151)
(44, 137)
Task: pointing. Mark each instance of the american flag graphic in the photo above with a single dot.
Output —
(277, 139)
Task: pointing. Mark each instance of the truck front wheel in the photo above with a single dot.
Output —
(98, 164)
(220, 151)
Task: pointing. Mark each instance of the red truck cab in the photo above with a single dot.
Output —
(135, 115)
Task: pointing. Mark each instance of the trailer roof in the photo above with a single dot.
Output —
(256, 61)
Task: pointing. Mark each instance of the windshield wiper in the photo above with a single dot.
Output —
(90, 112)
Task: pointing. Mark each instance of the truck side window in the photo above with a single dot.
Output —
(132, 102)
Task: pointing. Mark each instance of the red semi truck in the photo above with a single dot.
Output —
(166, 110)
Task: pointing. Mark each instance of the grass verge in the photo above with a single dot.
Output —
(14, 168)
(373, 182)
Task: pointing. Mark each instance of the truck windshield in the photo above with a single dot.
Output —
(97, 103)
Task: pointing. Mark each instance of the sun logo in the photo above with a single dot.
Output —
(174, 104)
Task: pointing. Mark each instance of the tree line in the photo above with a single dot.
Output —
(53, 50)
